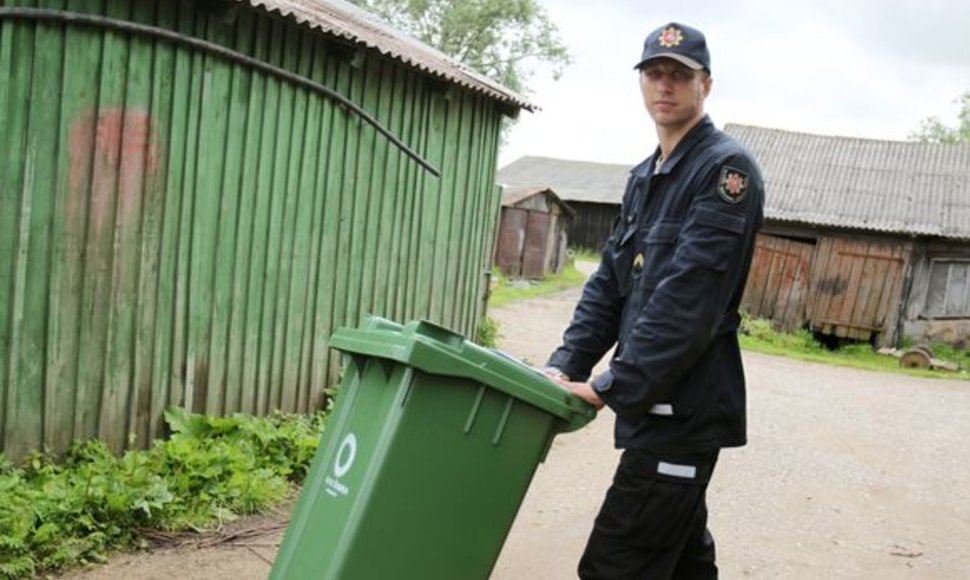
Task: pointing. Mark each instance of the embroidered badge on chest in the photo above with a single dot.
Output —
(732, 185)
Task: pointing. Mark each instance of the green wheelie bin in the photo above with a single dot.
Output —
(422, 467)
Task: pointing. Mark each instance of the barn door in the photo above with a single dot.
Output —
(857, 287)
(777, 287)
(511, 241)
(536, 239)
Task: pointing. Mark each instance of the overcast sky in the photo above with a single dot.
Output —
(860, 68)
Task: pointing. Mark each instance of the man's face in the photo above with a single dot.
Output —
(673, 94)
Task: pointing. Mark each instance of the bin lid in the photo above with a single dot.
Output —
(434, 349)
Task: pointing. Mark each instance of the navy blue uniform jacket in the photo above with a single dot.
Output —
(667, 293)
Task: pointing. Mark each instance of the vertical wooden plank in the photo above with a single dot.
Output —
(794, 315)
(375, 197)
(787, 282)
(748, 298)
(185, 333)
(9, 204)
(437, 249)
(239, 386)
(206, 221)
(424, 289)
(332, 169)
(340, 183)
(822, 279)
(874, 273)
(866, 292)
(326, 238)
(344, 126)
(256, 193)
(295, 249)
(403, 107)
(476, 261)
(233, 89)
(347, 276)
(153, 373)
(25, 420)
(895, 280)
(393, 221)
(281, 235)
(836, 287)
(463, 192)
(137, 165)
(277, 156)
(445, 252)
(843, 274)
(492, 192)
(881, 270)
(415, 208)
(365, 91)
(775, 271)
(758, 279)
(95, 399)
(387, 159)
(852, 266)
(80, 55)
(174, 90)
(314, 180)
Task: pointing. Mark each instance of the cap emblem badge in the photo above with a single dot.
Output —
(671, 37)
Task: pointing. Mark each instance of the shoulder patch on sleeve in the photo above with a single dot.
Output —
(732, 185)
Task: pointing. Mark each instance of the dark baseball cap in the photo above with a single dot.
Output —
(682, 43)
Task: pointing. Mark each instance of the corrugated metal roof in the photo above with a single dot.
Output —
(888, 186)
(352, 23)
(576, 181)
(510, 197)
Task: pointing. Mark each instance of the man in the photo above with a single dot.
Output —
(666, 294)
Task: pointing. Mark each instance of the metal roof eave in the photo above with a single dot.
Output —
(344, 20)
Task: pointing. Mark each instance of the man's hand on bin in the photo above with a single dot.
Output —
(582, 390)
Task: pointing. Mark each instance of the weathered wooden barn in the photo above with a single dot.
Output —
(865, 239)
(533, 233)
(195, 193)
(592, 190)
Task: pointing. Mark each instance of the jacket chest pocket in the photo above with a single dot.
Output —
(655, 252)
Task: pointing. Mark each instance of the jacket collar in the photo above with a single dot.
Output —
(698, 133)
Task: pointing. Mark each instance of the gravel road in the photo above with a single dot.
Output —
(848, 474)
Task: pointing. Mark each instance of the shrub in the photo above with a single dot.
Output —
(59, 513)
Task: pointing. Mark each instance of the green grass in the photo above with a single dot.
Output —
(584, 255)
(758, 335)
(507, 291)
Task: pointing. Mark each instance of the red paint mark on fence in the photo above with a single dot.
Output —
(115, 159)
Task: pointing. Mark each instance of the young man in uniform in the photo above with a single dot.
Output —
(666, 294)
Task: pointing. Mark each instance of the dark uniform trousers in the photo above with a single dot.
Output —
(653, 523)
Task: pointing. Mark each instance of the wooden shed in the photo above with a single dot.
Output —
(865, 239)
(593, 190)
(533, 233)
(195, 193)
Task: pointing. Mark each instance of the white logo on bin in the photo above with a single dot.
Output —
(346, 454)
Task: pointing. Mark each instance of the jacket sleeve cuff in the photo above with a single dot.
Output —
(561, 360)
(602, 385)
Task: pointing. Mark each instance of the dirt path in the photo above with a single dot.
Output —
(848, 474)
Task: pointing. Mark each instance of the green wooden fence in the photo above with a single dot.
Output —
(177, 228)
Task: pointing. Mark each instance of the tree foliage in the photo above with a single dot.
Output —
(932, 130)
(500, 39)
